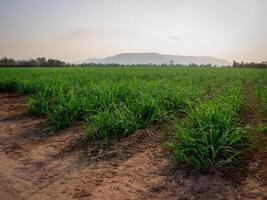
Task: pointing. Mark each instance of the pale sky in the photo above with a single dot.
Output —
(74, 30)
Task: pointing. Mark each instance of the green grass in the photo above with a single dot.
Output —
(261, 91)
(115, 102)
(260, 85)
(212, 136)
(144, 95)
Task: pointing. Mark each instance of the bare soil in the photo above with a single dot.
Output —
(255, 118)
(37, 166)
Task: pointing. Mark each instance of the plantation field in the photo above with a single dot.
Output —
(211, 117)
(118, 101)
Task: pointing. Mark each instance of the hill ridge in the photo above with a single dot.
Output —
(157, 58)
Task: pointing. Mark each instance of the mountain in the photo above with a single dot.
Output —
(156, 58)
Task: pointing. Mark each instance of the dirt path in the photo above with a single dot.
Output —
(254, 117)
(36, 166)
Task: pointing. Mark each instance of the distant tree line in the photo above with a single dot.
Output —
(38, 62)
(43, 62)
(250, 65)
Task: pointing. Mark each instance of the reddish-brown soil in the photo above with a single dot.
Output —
(36, 166)
(255, 118)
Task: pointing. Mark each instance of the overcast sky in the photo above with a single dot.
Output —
(74, 30)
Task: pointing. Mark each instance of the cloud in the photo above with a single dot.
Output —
(80, 34)
(174, 37)
(77, 34)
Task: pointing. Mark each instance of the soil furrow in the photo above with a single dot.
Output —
(38, 166)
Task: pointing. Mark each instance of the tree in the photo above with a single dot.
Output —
(4, 62)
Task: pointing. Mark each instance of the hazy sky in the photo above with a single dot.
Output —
(78, 29)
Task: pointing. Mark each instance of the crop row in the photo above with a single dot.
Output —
(112, 102)
(212, 135)
(116, 102)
